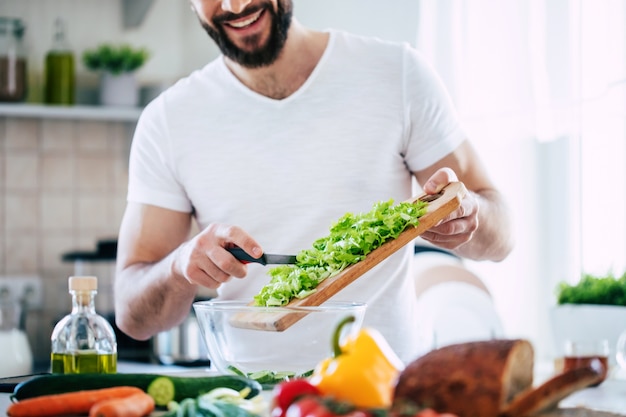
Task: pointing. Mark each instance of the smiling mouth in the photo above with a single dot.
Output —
(246, 21)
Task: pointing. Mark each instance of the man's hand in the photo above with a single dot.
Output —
(204, 260)
(459, 226)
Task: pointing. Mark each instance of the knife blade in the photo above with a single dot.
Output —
(265, 259)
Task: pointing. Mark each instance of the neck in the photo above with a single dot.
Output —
(301, 53)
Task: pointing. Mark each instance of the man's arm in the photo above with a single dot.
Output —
(480, 229)
(159, 267)
(149, 297)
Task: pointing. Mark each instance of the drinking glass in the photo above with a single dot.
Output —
(582, 353)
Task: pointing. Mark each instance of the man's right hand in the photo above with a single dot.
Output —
(204, 260)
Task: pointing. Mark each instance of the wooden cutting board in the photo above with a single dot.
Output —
(577, 412)
(439, 206)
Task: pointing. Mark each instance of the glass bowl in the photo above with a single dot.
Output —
(236, 347)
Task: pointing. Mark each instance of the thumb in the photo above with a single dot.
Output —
(439, 179)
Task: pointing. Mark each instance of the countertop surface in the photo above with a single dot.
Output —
(609, 397)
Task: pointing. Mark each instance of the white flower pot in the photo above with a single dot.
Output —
(119, 90)
(587, 322)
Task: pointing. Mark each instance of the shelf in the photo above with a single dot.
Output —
(121, 114)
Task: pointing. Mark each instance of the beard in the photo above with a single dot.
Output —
(257, 55)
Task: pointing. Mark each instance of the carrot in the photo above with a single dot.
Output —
(136, 405)
(78, 402)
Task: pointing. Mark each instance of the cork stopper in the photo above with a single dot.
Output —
(83, 283)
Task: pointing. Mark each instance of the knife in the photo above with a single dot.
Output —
(266, 258)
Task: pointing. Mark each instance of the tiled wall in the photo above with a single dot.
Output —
(62, 188)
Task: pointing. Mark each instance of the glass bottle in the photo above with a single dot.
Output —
(59, 69)
(83, 341)
(12, 60)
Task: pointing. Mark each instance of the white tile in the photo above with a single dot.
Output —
(93, 136)
(22, 253)
(22, 171)
(58, 136)
(93, 213)
(94, 173)
(58, 172)
(53, 246)
(57, 212)
(120, 175)
(21, 212)
(3, 256)
(2, 134)
(2, 163)
(119, 206)
(22, 133)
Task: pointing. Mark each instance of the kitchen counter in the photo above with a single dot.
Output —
(609, 397)
(133, 367)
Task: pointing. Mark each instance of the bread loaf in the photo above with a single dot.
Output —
(474, 379)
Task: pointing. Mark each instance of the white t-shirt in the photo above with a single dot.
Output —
(370, 114)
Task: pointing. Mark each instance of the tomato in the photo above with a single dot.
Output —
(285, 393)
(427, 412)
(308, 407)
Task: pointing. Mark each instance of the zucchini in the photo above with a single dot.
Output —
(184, 387)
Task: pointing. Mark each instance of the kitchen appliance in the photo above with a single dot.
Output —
(182, 345)
(16, 357)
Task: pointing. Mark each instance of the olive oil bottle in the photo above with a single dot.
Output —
(59, 69)
(83, 341)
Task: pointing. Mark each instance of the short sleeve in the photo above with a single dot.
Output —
(433, 127)
(151, 177)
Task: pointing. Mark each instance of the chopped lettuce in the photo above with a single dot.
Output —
(351, 238)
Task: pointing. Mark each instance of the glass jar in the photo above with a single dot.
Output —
(16, 357)
(12, 60)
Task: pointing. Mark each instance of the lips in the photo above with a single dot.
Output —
(246, 21)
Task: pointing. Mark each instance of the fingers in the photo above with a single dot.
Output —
(205, 261)
(458, 227)
(439, 179)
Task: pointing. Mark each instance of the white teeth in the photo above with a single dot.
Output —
(243, 23)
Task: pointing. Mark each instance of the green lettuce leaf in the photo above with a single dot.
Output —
(351, 238)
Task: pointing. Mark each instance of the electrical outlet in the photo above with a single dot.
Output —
(22, 287)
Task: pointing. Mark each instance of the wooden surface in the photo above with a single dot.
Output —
(439, 206)
(578, 412)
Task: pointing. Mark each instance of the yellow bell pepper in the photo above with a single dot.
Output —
(362, 371)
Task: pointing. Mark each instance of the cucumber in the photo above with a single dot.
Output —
(184, 387)
(162, 390)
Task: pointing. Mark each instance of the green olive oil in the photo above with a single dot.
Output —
(59, 69)
(83, 363)
(83, 342)
(59, 85)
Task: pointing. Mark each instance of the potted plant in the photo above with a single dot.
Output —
(592, 309)
(117, 65)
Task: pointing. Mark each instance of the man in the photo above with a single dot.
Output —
(269, 144)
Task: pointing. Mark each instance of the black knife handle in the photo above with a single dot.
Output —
(244, 257)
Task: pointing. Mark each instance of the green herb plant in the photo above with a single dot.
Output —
(116, 59)
(351, 238)
(603, 290)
